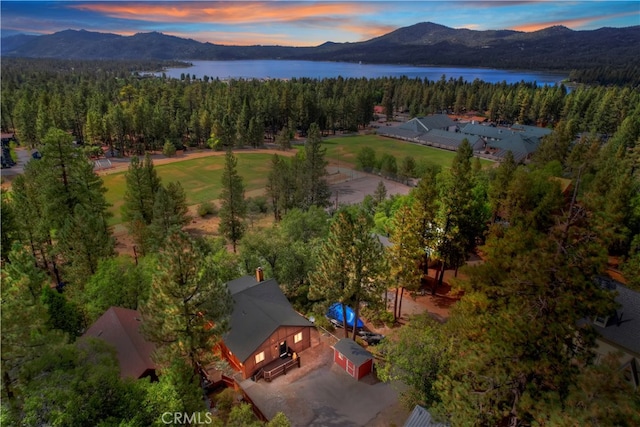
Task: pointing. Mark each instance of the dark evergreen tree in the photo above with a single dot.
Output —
(169, 213)
(314, 171)
(458, 234)
(234, 206)
(283, 140)
(189, 306)
(351, 265)
(143, 184)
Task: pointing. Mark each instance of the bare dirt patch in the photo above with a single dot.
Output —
(121, 164)
(349, 186)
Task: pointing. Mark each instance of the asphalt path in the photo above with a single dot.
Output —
(24, 155)
(325, 396)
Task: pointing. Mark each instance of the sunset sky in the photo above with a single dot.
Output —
(305, 23)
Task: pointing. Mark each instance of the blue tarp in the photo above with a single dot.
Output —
(335, 312)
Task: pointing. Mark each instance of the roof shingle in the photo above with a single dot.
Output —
(120, 327)
(260, 308)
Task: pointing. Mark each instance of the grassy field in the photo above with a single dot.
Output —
(200, 178)
(346, 150)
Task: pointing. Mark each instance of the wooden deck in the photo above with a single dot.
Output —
(214, 378)
(276, 368)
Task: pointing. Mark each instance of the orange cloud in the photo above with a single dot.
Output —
(366, 30)
(236, 38)
(224, 13)
(340, 17)
(241, 38)
(570, 23)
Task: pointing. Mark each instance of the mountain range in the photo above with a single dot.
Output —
(553, 48)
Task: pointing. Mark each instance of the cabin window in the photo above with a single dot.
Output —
(340, 356)
(297, 337)
(259, 357)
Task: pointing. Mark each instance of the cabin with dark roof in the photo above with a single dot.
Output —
(266, 333)
(120, 327)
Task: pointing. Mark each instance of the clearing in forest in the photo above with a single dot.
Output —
(200, 177)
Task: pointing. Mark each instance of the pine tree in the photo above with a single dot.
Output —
(407, 169)
(424, 212)
(59, 196)
(283, 140)
(500, 183)
(351, 264)
(169, 212)
(234, 207)
(61, 162)
(31, 223)
(515, 368)
(24, 319)
(256, 132)
(242, 126)
(380, 195)
(189, 306)
(456, 211)
(405, 255)
(137, 210)
(25, 120)
(9, 226)
(142, 185)
(274, 188)
(83, 240)
(316, 188)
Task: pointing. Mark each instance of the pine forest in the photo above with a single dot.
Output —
(518, 346)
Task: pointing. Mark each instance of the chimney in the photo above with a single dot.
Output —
(259, 274)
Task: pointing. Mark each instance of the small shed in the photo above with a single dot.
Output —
(351, 357)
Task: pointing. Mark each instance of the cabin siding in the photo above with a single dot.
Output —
(271, 349)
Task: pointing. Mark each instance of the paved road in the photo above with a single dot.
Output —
(24, 155)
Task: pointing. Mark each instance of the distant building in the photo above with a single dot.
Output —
(438, 130)
(492, 142)
(521, 140)
(120, 327)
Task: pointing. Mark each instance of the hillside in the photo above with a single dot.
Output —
(553, 48)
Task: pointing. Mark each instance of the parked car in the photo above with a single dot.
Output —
(371, 338)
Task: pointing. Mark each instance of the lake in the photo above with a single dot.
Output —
(286, 69)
